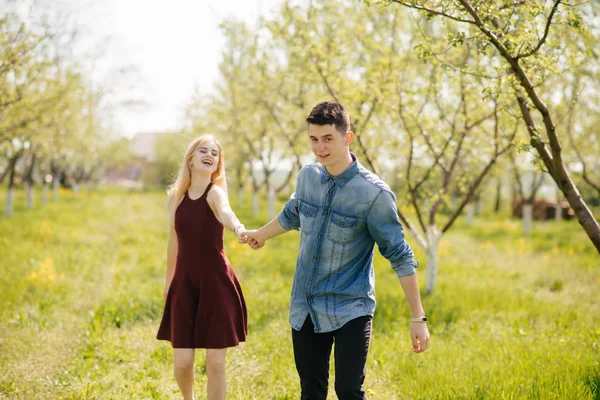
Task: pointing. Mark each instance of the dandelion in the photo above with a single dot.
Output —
(45, 275)
(46, 231)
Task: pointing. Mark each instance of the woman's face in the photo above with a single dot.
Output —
(206, 157)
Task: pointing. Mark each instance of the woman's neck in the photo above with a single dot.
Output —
(199, 182)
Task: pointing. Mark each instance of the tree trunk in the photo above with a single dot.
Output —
(30, 195)
(255, 208)
(558, 212)
(584, 215)
(478, 205)
(433, 240)
(498, 196)
(55, 188)
(470, 213)
(271, 203)
(10, 192)
(527, 218)
(45, 193)
(8, 209)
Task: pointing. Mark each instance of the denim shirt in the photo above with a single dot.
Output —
(340, 219)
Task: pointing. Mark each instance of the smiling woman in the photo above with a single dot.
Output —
(204, 304)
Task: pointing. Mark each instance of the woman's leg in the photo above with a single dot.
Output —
(184, 371)
(215, 369)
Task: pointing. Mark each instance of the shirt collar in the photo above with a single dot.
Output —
(343, 178)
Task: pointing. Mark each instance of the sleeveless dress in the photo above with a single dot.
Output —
(205, 307)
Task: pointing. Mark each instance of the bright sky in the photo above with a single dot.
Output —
(175, 46)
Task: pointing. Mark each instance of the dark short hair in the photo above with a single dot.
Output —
(330, 113)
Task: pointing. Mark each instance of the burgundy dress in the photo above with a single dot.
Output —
(205, 307)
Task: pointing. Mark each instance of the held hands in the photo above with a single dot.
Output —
(250, 237)
(419, 335)
(240, 232)
(254, 239)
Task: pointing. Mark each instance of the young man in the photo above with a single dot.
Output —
(342, 210)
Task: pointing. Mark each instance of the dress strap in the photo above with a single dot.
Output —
(207, 189)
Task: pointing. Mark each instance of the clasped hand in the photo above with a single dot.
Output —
(252, 238)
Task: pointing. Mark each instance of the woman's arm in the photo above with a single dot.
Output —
(171, 259)
(218, 202)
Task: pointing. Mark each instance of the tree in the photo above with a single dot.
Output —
(363, 59)
(529, 37)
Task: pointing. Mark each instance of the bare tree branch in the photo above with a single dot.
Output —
(544, 37)
(433, 12)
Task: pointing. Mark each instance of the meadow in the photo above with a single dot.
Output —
(81, 280)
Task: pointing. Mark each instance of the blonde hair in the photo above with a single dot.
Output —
(184, 177)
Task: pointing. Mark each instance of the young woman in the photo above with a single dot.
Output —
(204, 304)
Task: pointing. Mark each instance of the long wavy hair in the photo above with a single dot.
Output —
(184, 177)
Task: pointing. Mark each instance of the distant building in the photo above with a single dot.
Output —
(131, 176)
(143, 145)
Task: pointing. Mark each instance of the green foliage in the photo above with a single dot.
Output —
(513, 317)
(169, 149)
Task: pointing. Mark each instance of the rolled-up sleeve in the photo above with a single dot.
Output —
(288, 217)
(385, 228)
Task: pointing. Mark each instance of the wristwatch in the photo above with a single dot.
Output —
(419, 319)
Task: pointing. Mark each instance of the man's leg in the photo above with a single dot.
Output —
(311, 353)
(351, 349)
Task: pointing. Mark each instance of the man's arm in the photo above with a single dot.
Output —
(385, 228)
(287, 220)
(257, 238)
(419, 333)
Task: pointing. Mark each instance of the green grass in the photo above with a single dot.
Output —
(81, 282)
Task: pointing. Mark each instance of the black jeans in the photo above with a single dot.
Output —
(312, 352)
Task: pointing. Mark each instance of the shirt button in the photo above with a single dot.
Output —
(314, 258)
(342, 222)
(324, 212)
(319, 235)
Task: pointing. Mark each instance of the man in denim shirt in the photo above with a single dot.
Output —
(341, 210)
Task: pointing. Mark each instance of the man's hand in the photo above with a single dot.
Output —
(419, 335)
(254, 239)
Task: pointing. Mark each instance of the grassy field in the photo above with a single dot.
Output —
(80, 293)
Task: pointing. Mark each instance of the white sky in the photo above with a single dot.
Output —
(174, 45)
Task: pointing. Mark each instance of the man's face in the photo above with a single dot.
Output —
(330, 146)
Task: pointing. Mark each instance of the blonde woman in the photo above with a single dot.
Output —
(204, 304)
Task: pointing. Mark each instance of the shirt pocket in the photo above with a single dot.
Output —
(308, 216)
(343, 228)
